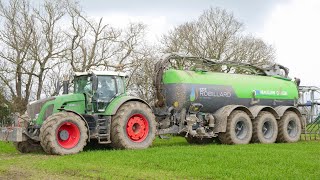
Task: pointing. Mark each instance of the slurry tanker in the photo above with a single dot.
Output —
(201, 99)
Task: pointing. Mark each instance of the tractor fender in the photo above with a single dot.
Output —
(255, 110)
(282, 109)
(66, 110)
(221, 116)
(116, 103)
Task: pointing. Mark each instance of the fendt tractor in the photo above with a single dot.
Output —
(193, 98)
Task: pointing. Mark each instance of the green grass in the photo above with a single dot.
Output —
(169, 159)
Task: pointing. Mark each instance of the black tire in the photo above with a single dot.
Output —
(265, 128)
(28, 146)
(289, 128)
(198, 140)
(133, 126)
(239, 129)
(63, 133)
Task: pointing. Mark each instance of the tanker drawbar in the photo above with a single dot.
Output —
(196, 101)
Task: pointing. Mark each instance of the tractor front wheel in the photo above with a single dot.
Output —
(133, 126)
(63, 133)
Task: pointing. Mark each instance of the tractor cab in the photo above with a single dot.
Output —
(99, 87)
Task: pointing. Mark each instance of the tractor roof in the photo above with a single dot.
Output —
(101, 73)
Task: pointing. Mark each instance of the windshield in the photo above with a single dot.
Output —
(106, 88)
(82, 84)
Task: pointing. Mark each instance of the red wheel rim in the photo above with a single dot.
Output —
(137, 128)
(68, 135)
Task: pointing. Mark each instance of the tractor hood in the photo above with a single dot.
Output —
(41, 109)
(74, 102)
(34, 107)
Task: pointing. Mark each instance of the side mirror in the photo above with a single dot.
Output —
(58, 87)
(65, 84)
(94, 81)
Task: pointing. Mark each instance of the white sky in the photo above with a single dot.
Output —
(294, 29)
(292, 26)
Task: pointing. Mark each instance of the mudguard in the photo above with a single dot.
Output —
(282, 109)
(256, 109)
(117, 102)
(221, 116)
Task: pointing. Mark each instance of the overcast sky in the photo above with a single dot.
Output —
(292, 26)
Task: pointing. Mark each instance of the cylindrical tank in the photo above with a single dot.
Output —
(215, 90)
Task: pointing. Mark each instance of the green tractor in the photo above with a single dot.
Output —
(99, 109)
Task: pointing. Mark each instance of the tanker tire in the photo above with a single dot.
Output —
(28, 146)
(289, 128)
(265, 121)
(119, 126)
(240, 121)
(49, 140)
(198, 140)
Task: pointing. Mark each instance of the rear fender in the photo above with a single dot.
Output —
(221, 116)
(255, 110)
(282, 109)
(116, 103)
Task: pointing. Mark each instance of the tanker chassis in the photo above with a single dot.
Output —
(192, 100)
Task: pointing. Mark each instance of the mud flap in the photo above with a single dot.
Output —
(14, 134)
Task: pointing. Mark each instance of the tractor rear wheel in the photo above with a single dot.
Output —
(289, 127)
(198, 140)
(265, 128)
(133, 126)
(239, 129)
(63, 133)
(28, 146)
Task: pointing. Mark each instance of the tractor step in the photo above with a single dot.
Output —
(103, 128)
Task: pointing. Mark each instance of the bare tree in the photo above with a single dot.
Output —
(141, 74)
(15, 40)
(48, 41)
(217, 34)
(31, 44)
(93, 44)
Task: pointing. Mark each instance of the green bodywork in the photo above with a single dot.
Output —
(263, 87)
(73, 102)
(84, 100)
(76, 103)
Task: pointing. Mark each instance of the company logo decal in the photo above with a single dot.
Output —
(194, 94)
(207, 93)
(271, 93)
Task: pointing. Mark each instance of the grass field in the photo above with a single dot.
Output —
(169, 159)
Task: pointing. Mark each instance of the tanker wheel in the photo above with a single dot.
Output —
(133, 126)
(28, 146)
(289, 127)
(239, 129)
(63, 133)
(265, 128)
(198, 140)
